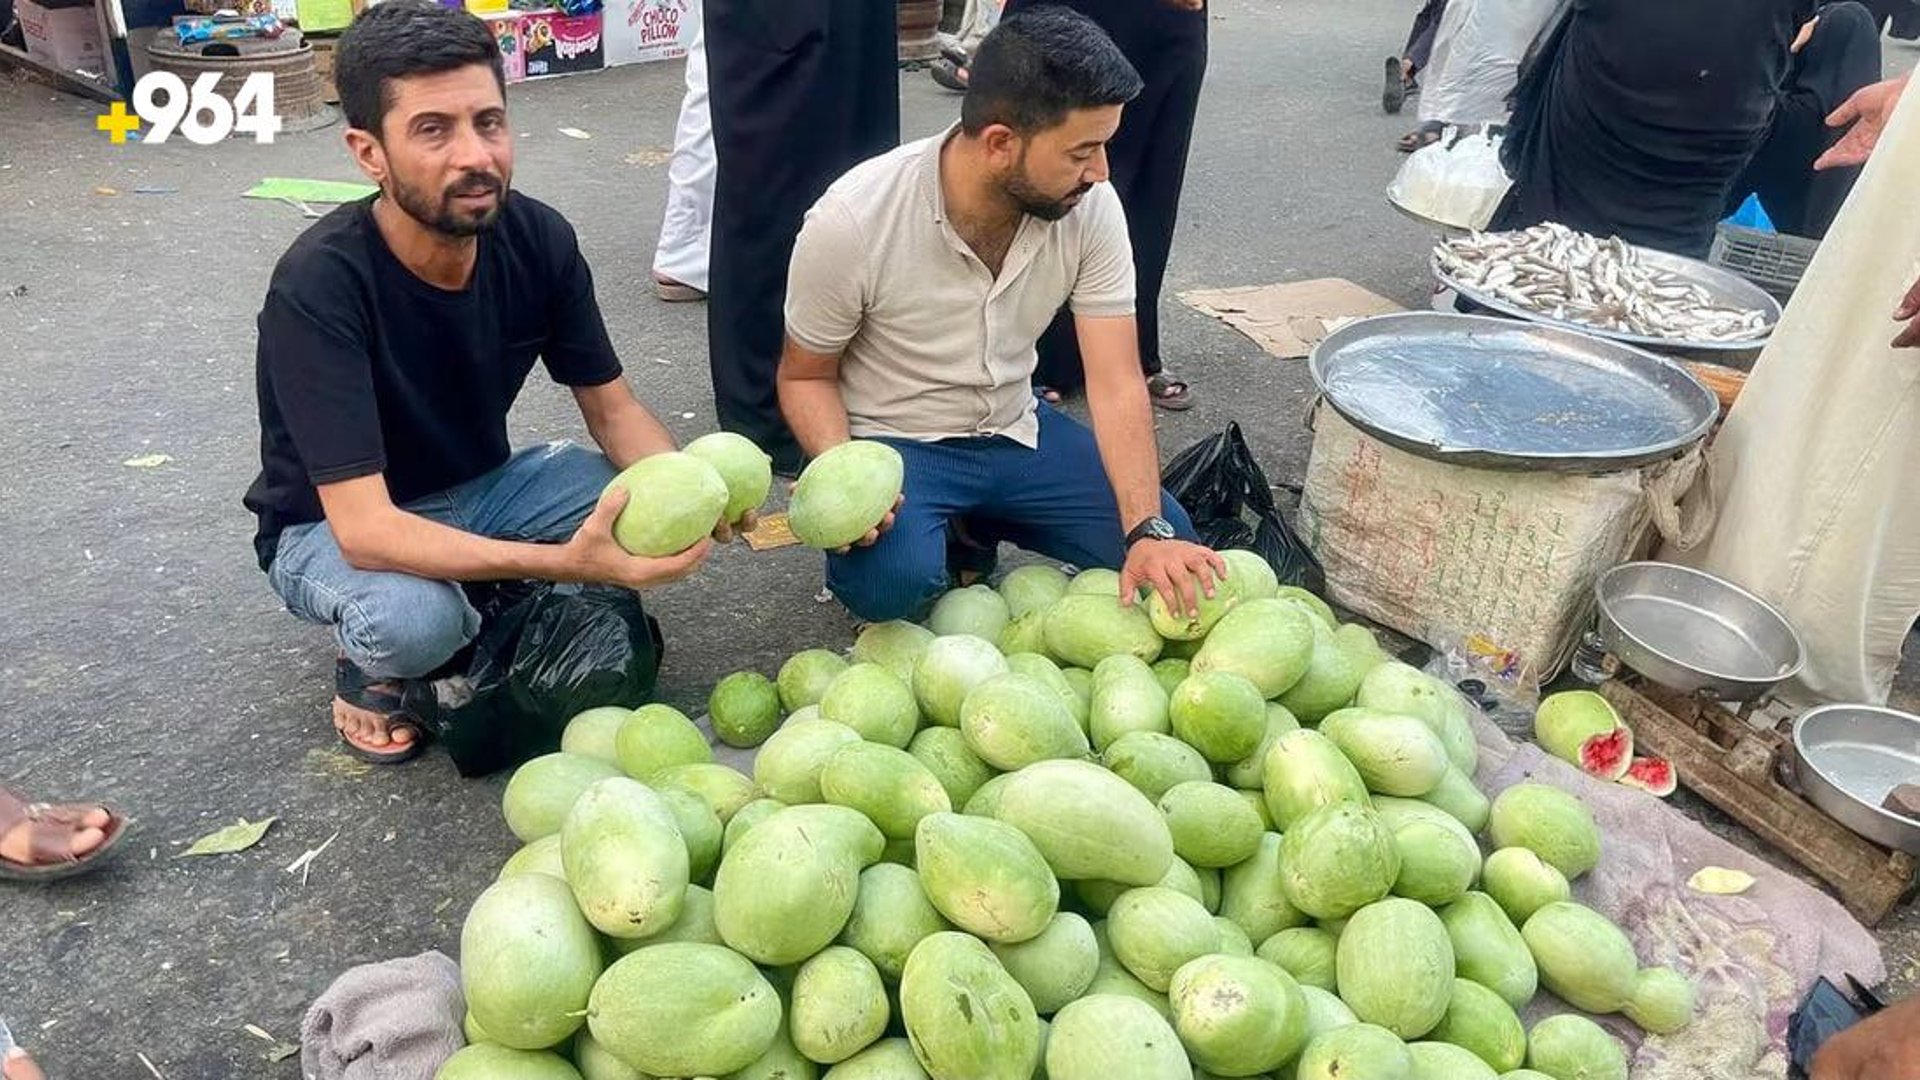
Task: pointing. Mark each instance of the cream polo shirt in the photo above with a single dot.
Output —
(931, 345)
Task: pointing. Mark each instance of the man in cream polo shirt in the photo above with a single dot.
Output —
(919, 285)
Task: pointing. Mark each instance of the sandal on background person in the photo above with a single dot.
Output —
(1425, 135)
(1169, 393)
(48, 841)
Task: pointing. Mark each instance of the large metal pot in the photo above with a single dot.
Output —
(1690, 631)
(1845, 760)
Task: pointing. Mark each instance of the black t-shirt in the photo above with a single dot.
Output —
(363, 368)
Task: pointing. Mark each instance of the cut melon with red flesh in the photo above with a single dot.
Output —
(1651, 774)
(1608, 756)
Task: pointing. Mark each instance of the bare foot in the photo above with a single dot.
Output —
(86, 831)
(19, 1066)
(369, 730)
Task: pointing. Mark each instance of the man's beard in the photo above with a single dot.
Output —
(441, 216)
(1032, 200)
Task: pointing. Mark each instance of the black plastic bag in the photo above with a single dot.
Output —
(1220, 485)
(545, 653)
(1826, 1012)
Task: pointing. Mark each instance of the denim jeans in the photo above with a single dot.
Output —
(1054, 499)
(399, 626)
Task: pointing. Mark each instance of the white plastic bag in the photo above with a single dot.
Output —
(1476, 59)
(1456, 181)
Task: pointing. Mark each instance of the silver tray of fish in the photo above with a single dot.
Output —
(1493, 393)
(1552, 275)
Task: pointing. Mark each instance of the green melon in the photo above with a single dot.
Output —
(746, 818)
(965, 1016)
(1489, 950)
(1110, 1036)
(788, 767)
(839, 1005)
(1025, 634)
(1331, 679)
(1219, 714)
(948, 670)
(1267, 642)
(1233, 940)
(1038, 667)
(673, 501)
(1126, 703)
(1032, 588)
(1337, 860)
(890, 916)
(1094, 581)
(804, 678)
(1438, 862)
(1183, 626)
(596, 1062)
(1662, 1002)
(1399, 688)
(1325, 1011)
(1012, 721)
(1522, 884)
(682, 1009)
(973, 609)
(540, 857)
(895, 645)
(782, 1061)
(945, 753)
(1153, 762)
(1582, 956)
(890, 786)
(845, 493)
(1210, 824)
(1395, 755)
(1098, 896)
(1155, 930)
(1249, 575)
(1572, 1047)
(1445, 1061)
(1304, 772)
(528, 960)
(724, 788)
(1305, 952)
(744, 708)
(1249, 772)
(1252, 894)
(625, 858)
(541, 792)
(786, 889)
(1238, 1016)
(1056, 966)
(700, 830)
(595, 733)
(888, 1059)
(695, 924)
(1084, 629)
(986, 877)
(1478, 1020)
(657, 737)
(1355, 1052)
(1087, 823)
(1548, 822)
(1394, 966)
(743, 467)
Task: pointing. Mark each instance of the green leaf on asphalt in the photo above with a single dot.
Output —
(236, 837)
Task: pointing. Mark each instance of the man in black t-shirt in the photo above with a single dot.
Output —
(395, 336)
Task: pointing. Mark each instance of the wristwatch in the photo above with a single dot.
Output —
(1154, 528)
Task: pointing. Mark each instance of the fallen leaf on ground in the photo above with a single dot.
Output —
(258, 1033)
(147, 461)
(1720, 881)
(574, 133)
(650, 155)
(282, 1052)
(236, 837)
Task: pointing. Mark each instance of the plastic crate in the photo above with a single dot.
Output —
(1773, 261)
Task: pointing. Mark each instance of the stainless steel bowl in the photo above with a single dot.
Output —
(1692, 632)
(1846, 759)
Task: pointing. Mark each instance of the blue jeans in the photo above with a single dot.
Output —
(398, 626)
(1054, 499)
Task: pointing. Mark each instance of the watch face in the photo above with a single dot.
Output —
(1160, 529)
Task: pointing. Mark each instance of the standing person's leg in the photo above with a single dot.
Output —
(686, 228)
(800, 92)
(906, 570)
(1149, 162)
(1056, 499)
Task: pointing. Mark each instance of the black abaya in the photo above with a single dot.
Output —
(1639, 116)
(1147, 159)
(801, 91)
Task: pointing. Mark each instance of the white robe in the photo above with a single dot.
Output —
(686, 228)
(1819, 462)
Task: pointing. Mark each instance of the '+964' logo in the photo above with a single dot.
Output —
(162, 100)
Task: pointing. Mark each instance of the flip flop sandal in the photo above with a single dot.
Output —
(1425, 135)
(1049, 395)
(677, 292)
(947, 73)
(50, 830)
(1393, 93)
(357, 688)
(1169, 393)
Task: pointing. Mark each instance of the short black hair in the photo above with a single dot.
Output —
(1039, 65)
(401, 38)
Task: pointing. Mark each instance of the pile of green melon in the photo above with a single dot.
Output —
(1050, 835)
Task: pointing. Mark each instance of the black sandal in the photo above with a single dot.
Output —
(1423, 136)
(50, 830)
(362, 691)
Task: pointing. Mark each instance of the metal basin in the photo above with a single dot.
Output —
(1692, 632)
(1846, 759)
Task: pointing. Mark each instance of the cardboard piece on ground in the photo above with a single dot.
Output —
(309, 191)
(770, 532)
(1290, 318)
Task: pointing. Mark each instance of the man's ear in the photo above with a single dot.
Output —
(1002, 145)
(368, 154)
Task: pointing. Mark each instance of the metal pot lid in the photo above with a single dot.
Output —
(1493, 393)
